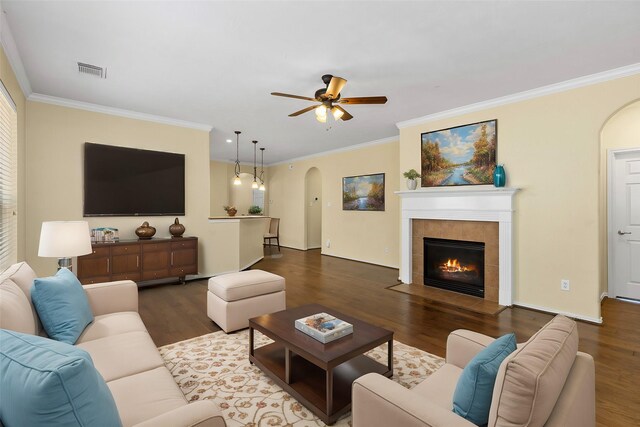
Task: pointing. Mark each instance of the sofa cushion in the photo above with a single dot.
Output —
(245, 284)
(15, 310)
(112, 324)
(472, 397)
(62, 305)
(146, 395)
(50, 383)
(23, 275)
(531, 379)
(122, 355)
(438, 387)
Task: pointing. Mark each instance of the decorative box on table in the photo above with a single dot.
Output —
(324, 327)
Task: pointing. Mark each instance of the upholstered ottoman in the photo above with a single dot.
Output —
(234, 298)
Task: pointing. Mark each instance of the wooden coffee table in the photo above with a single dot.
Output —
(318, 375)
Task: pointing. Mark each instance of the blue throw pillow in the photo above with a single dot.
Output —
(50, 383)
(472, 398)
(62, 306)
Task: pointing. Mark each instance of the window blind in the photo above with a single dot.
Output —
(8, 179)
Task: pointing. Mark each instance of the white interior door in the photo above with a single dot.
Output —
(624, 229)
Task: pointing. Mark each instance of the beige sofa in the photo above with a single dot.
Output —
(144, 391)
(545, 382)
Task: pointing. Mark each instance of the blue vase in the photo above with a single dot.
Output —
(499, 176)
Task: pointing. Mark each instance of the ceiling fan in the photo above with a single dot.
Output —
(329, 97)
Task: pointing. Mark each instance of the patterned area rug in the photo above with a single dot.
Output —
(216, 366)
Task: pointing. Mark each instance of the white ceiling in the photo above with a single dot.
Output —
(216, 62)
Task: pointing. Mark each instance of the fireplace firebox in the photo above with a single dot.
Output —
(455, 265)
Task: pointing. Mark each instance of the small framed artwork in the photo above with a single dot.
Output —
(363, 193)
(461, 155)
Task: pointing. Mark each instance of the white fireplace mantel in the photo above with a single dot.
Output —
(462, 204)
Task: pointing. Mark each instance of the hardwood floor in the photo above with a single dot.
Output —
(178, 312)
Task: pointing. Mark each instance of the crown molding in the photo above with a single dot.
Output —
(591, 79)
(96, 108)
(11, 51)
(338, 150)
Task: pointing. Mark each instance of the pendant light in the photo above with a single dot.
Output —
(237, 180)
(262, 187)
(254, 184)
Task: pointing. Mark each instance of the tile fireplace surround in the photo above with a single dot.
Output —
(482, 203)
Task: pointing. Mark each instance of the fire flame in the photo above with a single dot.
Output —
(453, 266)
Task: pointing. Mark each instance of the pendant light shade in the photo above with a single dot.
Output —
(237, 180)
(254, 184)
(262, 187)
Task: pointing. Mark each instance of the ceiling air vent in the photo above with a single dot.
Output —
(93, 70)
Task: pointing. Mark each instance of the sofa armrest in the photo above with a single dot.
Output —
(378, 401)
(202, 413)
(463, 345)
(112, 297)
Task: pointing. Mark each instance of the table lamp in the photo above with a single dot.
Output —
(64, 240)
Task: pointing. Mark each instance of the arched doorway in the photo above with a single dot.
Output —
(313, 209)
(620, 182)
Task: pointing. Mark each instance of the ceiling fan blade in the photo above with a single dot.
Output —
(364, 100)
(345, 115)
(335, 86)
(286, 95)
(297, 113)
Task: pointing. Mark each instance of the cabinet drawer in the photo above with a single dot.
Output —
(97, 279)
(183, 271)
(155, 274)
(98, 252)
(184, 244)
(125, 249)
(155, 247)
(126, 276)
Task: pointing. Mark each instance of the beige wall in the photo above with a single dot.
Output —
(54, 173)
(223, 192)
(366, 236)
(621, 131)
(9, 80)
(219, 187)
(551, 150)
(313, 208)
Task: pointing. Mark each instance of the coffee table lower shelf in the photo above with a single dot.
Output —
(308, 382)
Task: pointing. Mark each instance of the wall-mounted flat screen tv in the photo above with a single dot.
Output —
(120, 181)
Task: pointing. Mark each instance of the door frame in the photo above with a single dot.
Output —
(611, 230)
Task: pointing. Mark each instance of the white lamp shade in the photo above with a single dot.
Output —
(64, 239)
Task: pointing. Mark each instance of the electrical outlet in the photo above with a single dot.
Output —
(386, 250)
(328, 243)
(564, 285)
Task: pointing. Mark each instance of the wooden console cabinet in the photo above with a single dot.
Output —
(139, 260)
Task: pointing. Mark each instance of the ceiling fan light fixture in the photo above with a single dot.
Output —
(337, 113)
(321, 119)
(321, 111)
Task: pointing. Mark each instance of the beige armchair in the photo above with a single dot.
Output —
(545, 382)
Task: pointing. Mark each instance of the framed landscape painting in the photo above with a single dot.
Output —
(363, 193)
(461, 155)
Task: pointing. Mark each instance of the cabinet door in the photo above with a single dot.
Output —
(184, 257)
(95, 267)
(125, 259)
(155, 260)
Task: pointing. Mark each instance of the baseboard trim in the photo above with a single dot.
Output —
(603, 296)
(576, 316)
(252, 263)
(362, 261)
